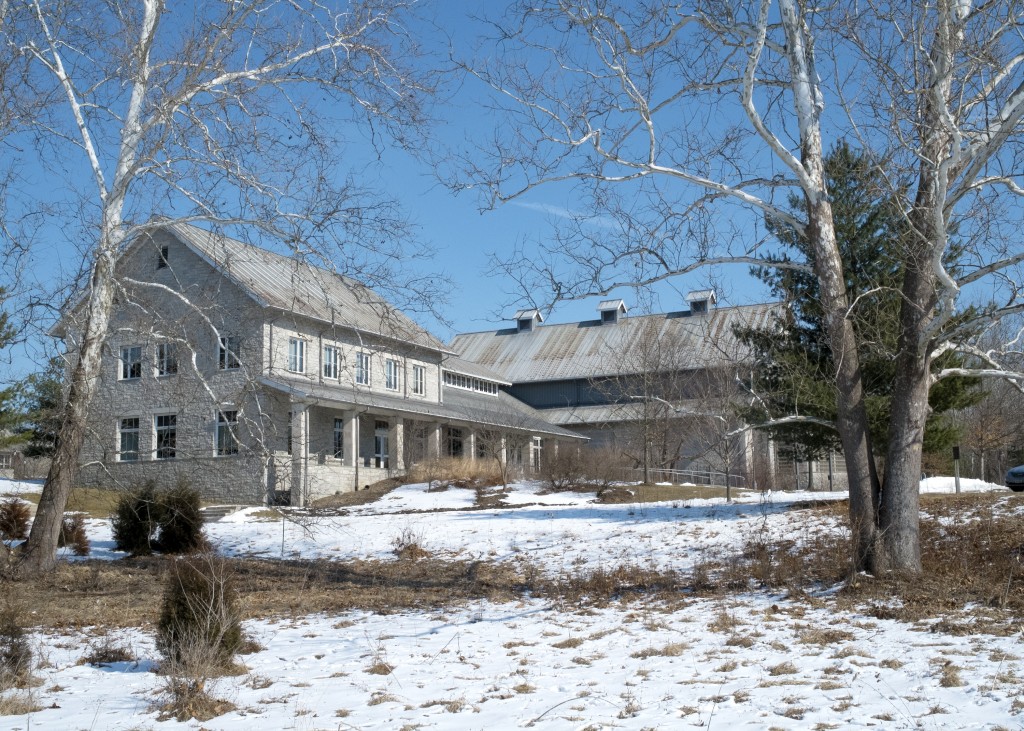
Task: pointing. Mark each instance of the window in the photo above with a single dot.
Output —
(330, 362)
(288, 438)
(391, 374)
(161, 262)
(454, 439)
(6, 461)
(128, 450)
(472, 384)
(227, 352)
(538, 445)
(131, 362)
(166, 359)
(339, 438)
(227, 433)
(296, 355)
(419, 380)
(363, 369)
(166, 436)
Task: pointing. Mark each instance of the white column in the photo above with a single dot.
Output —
(434, 440)
(351, 438)
(300, 453)
(396, 443)
(471, 445)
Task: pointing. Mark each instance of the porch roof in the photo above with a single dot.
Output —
(488, 410)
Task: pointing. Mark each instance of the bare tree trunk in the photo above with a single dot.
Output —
(852, 418)
(40, 550)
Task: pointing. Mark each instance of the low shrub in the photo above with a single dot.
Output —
(564, 470)
(199, 631)
(15, 651)
(15, 515)
(180, 522)
(72, 533)
(168, 521)
(135, 521)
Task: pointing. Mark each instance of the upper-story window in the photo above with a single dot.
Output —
(296, 355)
(228, 348)
(330, 362)
(166, 359)
(131, 362)
(472, 384)
(161, 261)
(391, 374)
(363, 369)
(419, 380)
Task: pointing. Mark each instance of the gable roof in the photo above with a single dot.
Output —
(292, 285)
(587, 350)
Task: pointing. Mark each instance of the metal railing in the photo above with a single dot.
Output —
(695, 477)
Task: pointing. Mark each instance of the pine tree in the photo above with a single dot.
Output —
(794, 363)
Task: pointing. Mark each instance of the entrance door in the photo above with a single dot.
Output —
(380, 444)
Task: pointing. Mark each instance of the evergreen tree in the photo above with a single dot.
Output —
(10, 416)
(794, 362)
(42, 408)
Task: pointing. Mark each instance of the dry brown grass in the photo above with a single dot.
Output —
(455, 472)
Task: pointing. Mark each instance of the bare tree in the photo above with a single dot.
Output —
(219, 112)
(686, 126)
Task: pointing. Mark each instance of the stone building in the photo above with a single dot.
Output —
(259, 377)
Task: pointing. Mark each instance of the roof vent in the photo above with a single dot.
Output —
(526, 319)
(611, 311)
(701, 300)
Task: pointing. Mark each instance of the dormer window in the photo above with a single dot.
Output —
(527, 319)
(611, 311)
(701, 301)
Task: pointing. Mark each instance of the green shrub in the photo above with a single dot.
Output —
(168, 521)
(15, 651)
(199, 631)
(72, 533)
(180, 527)
(14, 518)
(135, 521)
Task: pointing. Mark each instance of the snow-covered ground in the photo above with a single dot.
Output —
(750, 660)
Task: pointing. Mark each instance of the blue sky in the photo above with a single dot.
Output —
(462, 236)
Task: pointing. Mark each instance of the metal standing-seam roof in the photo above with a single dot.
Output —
(291, 285)
(588, 350)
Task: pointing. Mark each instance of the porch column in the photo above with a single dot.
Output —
(471, 445)
(300, 453)
(502, 450)
(748, 456)
(396, 443)
(434, 440)
(351, 437)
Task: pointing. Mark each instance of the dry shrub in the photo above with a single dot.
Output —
(440, 474)
(107, 651)
(15, 651)
(15, 515)
(565, 470)
(407, 545)
(135, 521)
(601, 585)
(18, 704)
(72, 533)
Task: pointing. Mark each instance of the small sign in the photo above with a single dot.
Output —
(956, 452)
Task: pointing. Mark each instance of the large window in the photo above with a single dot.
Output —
(339, 438)
(363, 369)
(228, 348)
(330, 362)
(391, 374)
(166, 359)
(131, 362)
(166, 436)
(227, 433)
(419, 380)
(128, 433)
(296, 355)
